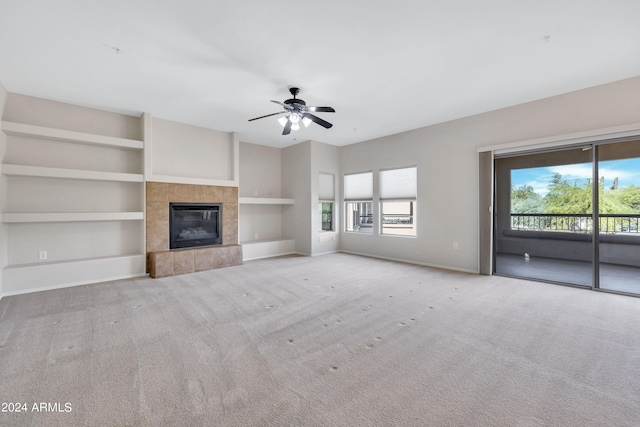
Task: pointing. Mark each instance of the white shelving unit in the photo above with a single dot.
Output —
(21, 129)
(265, 201)
(45, 172)
(119, 247)
(17, 218)
(266, 248)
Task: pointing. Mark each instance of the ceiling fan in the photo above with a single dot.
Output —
(297, 111)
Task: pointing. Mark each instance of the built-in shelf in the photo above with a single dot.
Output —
(40, 276)
(46, 172)
(190, 180)
(257, 249)
(265, 201)
(17, 218)
(73, 261)
(21, 129)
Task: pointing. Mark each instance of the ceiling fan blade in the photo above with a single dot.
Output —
(319, 121)
(287, 128)
(321, 109)
(268, 115)
(286, 106)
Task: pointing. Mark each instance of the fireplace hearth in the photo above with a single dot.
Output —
(194, 225)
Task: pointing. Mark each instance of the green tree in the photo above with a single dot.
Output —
(525, 200)
(629, 197)
(566, 198)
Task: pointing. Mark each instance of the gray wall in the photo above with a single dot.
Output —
(182, 150)
(260, 171)
(3, 189)
(296, 184)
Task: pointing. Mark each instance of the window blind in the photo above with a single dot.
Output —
(358, 186)
(326, 186)
(399, 184)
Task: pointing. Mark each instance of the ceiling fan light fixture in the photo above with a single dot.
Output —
(296, 111)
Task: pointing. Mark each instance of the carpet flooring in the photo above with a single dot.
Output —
(334, 340)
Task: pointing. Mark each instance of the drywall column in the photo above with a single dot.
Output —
(485, 212)
(324, 158)
(296, 183)
(3, 189)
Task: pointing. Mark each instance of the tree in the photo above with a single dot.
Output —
(565, 198)
(525, 200)
(629, 197)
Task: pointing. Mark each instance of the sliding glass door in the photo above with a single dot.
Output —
(545, 220)
(543, 225)
(619, 216)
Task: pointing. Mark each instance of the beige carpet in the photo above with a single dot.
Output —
(336, 340)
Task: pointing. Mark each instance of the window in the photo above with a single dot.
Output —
(359, 217)
(326, 197)
(398, 190)
(358, 207)
(326, 213)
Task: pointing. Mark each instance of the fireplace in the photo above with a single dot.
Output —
(195, 224)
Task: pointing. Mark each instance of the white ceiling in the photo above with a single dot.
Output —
(385, 66)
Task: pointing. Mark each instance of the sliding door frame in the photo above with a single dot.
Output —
(595, 232)
(486, 159)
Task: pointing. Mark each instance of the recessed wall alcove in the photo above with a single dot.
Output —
(162, 261)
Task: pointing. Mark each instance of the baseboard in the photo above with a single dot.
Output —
(69, 285)
(326, 253)
(269, 256)
(424, 264)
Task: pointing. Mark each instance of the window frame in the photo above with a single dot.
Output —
(397, 196)
(364, 203)
(348, 212)
(413, 209)
(331, 213)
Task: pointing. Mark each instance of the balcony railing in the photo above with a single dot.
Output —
(576, 223)
(404, 219)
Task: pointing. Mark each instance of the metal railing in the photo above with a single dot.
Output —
(404, 219)
(576, 223)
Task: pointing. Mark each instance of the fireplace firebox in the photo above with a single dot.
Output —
(195, 224)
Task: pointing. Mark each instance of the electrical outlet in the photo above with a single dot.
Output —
(456, 246)
(255, 193)
(256, 236)
(42, 255)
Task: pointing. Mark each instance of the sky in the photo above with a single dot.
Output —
(627, 171)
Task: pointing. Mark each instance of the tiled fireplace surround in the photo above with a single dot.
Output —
(162, 261)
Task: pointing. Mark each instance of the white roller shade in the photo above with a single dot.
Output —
(398, 184)
(326, 186)
(358, 186)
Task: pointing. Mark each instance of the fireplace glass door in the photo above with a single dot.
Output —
(194, 224)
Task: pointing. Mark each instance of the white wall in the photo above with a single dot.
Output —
(447, 160)
(42, 112)
(296, 183)
(186, 151)
(260, 171)
(3, 190)
(324, 158)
